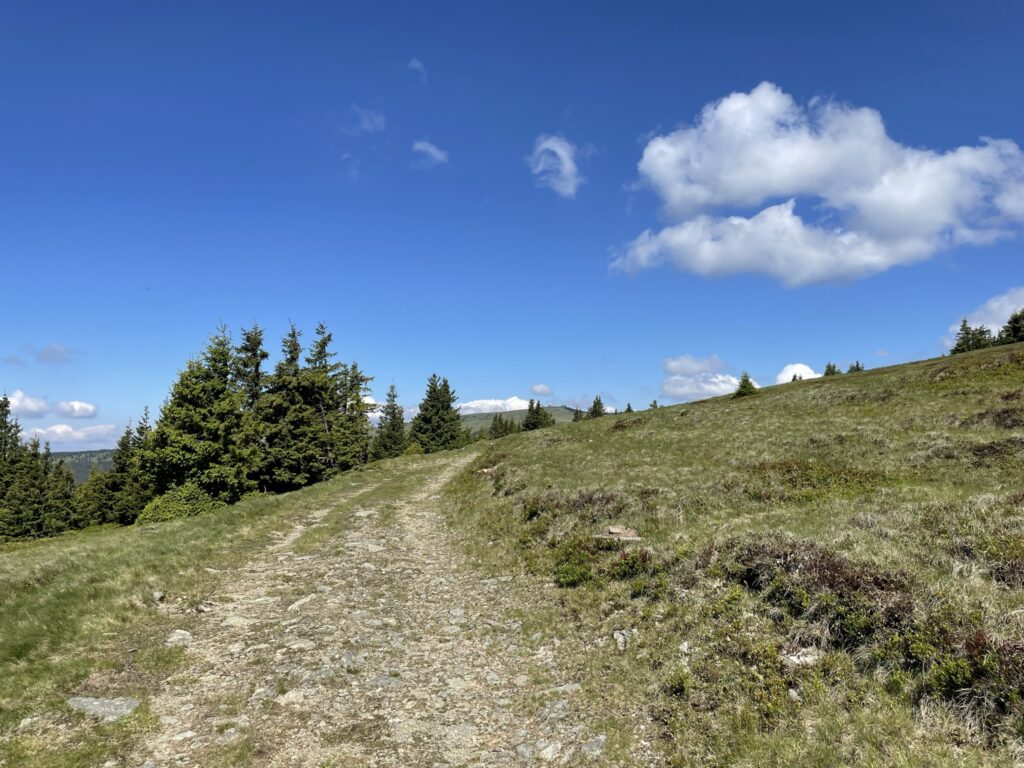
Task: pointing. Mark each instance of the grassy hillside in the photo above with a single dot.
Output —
(475, 421)
(831, 571)
(81, 462)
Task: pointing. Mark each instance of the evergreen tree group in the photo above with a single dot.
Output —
(536, 417)
(969, 338)
(501, 426)
(436, 427)
(597, 409)
(391, 439)
(745, 387)
(36, 491)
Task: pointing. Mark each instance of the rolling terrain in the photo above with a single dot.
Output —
(474, 421)
(828, 572)
(81, 462)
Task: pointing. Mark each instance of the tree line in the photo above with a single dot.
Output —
(229, 427)
(969, 338)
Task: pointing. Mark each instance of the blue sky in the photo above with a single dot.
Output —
(464, 189)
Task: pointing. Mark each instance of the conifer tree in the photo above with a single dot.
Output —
(1013, 331)
(831, 369)
(293, 456)
(436, 427)
(855, 367)
(10, 444)
(745, 387)
(629, 408)
(195, 436)
(596, 409)
(354, 432)
(23, 505)
(969, 339)
(653, 405)
(536, 417)
(58, 505)
(391, 439)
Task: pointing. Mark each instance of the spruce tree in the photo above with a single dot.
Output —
(23, 506)
(195, 437)
(969, 339)
(354, 430)
(10, 444)
(1013, 331)
(536, 417)
(436, 427)
(596, 409)
(391, 439)
(293, 455)
(58, 505)
(831, 369)
(629, 408)
(577, 414)
(653, 405)
(855, 367)
(745, 387)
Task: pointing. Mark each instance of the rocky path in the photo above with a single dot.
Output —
(376, 648)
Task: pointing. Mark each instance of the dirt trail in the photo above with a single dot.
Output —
(380, 648)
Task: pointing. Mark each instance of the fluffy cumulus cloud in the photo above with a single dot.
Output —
(993, 314)
(429, 154)
(541, 390)
(732, 182)
(77, 409)
(796, 369)
(553, 163)
(417, 66)
(493, 406)
(26, 406)
(64, 436)
(696, 378)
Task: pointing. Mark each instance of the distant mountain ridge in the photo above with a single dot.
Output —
(81, 462)
(474, 421)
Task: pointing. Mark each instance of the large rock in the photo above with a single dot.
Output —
(107, 709)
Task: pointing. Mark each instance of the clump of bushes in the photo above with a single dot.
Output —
(928, 641)
(574, 562)
(853, 602)
(185, 500)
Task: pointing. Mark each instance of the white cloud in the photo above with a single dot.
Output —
(796, 369)
(553, 162)
(493, 406)
(417, 66)
(430, 154)
(687, 365)
(541, 390)
(993, 314)
(77, 409)
(27, 406)
(61, 436)
(880, 203)
(695, 378)
(368, 120)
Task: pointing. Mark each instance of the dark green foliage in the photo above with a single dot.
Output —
(577, 415)
(629, 408)
(501, 426)
(436, 427)
(746, 387)
(969, 339)
(653, 405)
(536, 417)
(36, 490)
(390, 440)
(596, 409)
(1013, 331)
(632, 563)
(196, 436)
(184, 501)
(855, 367)
(574, 562)
(831, 369)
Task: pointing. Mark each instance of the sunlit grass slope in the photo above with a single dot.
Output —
(830, 574)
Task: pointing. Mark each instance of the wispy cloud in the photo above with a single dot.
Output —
(417, 66)
(553, 164)
(430, 155)
(367, 120)
(541, 390)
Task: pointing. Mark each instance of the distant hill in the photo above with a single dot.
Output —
(475, 421)
(81, 462)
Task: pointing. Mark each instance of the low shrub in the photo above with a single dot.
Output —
(574, 562)
(185, 500)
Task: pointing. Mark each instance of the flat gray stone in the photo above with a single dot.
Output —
(179, 637)
(108, 709)
(593, 748)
